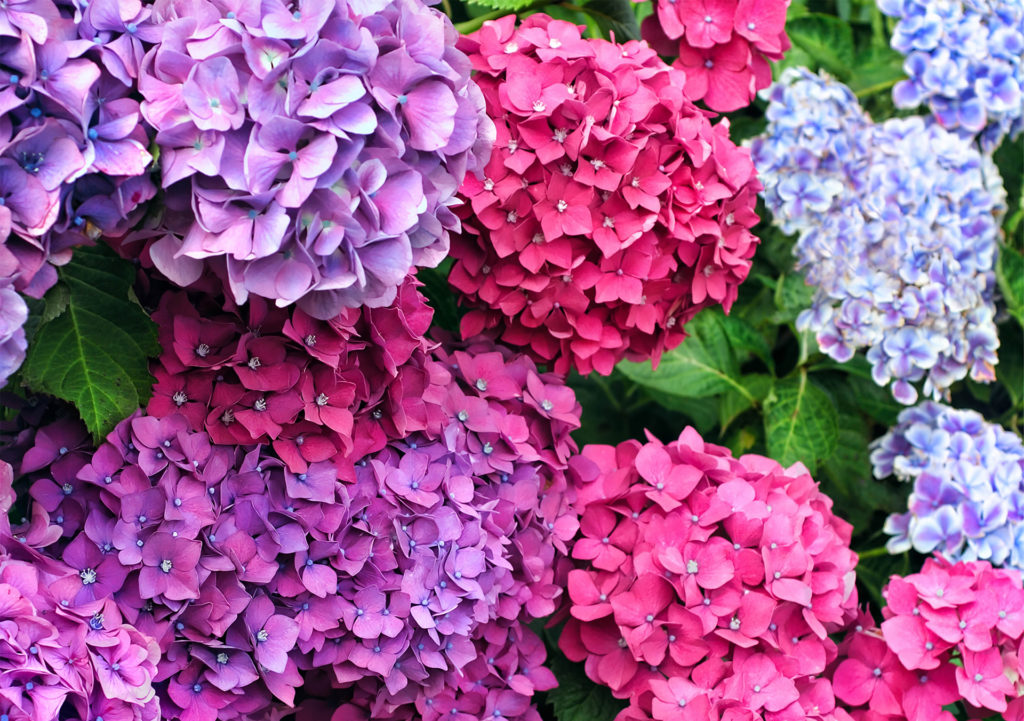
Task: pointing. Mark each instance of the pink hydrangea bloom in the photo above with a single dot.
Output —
(952, 633)
(707, 585)
(611, 210)
(723, 46)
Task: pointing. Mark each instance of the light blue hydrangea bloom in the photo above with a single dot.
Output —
(968, 476)
(897, 226)
(965, 62)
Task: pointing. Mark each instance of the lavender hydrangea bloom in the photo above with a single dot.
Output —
(311, 150)
(410, 572)
(73, 155)
(968, 478)
(898, 226)
(965, 61)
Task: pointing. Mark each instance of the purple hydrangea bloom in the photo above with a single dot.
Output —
(968, 478)
(13, 314)
(66, 656)
(73, 154)
(898, 228)
(311, 152)
(403, 579)
(965, 61)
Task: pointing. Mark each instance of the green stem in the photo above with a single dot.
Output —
(601, 383)
(876, 88)
(873, 552)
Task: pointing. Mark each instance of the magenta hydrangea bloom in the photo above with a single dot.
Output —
(73, 154)
(404, 577)
(312, 153)
(65, 656)
(611, 210)
(708, 585)
(952, 633)
(723, 46)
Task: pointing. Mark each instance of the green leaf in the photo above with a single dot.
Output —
(703, 365)
(745, 339)
(733, 403)
(876, 71)
(702, 413)
(504, 5)
(826, 39)
(800, 422)
(614, 16)
(792, 295)
(440, 296)
(1010, 273)
(1010, 369)
(577, 698)
(95, 351)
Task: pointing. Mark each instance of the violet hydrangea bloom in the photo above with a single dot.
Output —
(312, 153)
(408, 573)
(611, 211)
(968, 477)
(898, 227)
(73, 154)
(965, 62)
(13, 314)
(707, 585)
(64, 656)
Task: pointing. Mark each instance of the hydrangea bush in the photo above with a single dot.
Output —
(268, 453)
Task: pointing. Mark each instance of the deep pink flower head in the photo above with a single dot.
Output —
(65, 657)
(309, 150)
(723, 46)
(707, 585)
(952, 633)
(611, 210)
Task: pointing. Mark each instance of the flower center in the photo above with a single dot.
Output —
(202, 350)
(263, 635)
(260, 405)
(310, 340)
(179, 398)
(692, 567)
(321, 400)
(166, 565)
(562, 206)
(88, 576)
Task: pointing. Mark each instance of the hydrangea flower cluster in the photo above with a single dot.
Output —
(723, 46)
(312, 152)
(74, 156)
(611, 210)
(13, 314)
(708, 584)
(965, 61)
(63, 656)
(953, 632)
(898, 229)
(315, 390)
(393, 575)
(968, 476)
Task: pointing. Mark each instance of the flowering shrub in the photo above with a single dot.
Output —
(589, 242)
(65, 656)
(953, 632)
(963, 62)
(897, 228)
(254, 567)
(74, 155)
(708, 584)
(314, 152)
(723, 46)
(968, 478)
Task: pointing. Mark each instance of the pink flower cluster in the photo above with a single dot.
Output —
(708, 585)
(63, 656)
(404, 577)
(723, 46)
(953, 632)
(611, 210)
(317, 391)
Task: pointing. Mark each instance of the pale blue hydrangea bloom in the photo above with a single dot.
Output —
(897, 226)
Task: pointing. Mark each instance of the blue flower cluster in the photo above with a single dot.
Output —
(965, 59)
(968, 476)
(897, 226)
